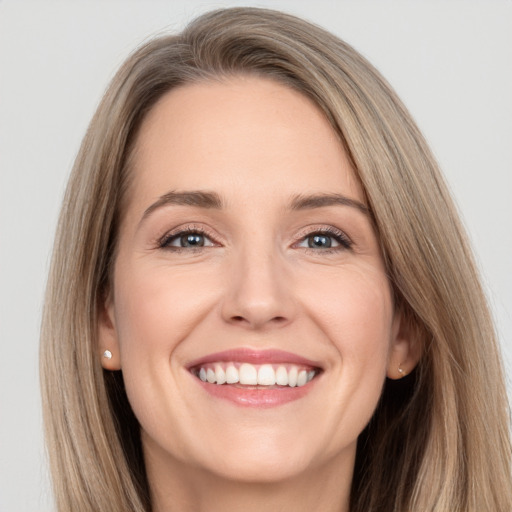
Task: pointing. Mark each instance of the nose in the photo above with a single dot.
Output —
(259, 294)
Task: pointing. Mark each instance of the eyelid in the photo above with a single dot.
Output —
(345, 243)
(161, 241)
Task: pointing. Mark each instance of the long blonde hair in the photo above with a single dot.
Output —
(439, 439)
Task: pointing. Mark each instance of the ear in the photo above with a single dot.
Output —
(406, 346)
(108, 343)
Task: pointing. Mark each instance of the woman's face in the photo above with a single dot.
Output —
(247, 253)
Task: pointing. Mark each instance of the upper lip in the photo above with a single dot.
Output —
(249, 355)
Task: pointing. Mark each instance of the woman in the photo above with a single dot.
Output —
(261, 295)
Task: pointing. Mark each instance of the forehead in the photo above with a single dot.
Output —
(241, 136)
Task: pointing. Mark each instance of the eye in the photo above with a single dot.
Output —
(324, 240)
(321, 242)
(186, 239)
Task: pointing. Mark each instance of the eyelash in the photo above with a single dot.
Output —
(164, 242)
(339, 236)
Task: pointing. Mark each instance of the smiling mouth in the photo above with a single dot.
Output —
(255, 376)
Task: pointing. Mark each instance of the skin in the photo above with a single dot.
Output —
(257, 284)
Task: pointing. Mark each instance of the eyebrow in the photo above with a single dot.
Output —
(193, 198)
(212, 200)
(307, 202)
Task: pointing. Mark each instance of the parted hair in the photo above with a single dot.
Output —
(439, 440)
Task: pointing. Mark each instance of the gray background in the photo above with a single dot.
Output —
(450, 61)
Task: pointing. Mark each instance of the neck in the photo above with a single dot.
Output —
(191, 489)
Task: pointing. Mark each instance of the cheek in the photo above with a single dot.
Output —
(354, 310)
(155, 310)
(157, 307)
(362, 332)
(354, 307)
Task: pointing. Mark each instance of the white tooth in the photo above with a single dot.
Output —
(248, 374)
(282, 376)
(232, 376)
(220, 374)
(210, 376)
(311, 374)
(266, 375)
(292, 377)
(202, 374)
(302, 378)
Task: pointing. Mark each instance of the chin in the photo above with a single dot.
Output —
(258, 469)
(262, 455)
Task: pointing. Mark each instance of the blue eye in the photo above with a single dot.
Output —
(191, 240)
(325, 240)
(186, 240)
(321, 242)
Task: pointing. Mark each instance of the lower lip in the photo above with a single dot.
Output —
(257, 397)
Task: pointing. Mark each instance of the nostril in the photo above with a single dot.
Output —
(241, 319)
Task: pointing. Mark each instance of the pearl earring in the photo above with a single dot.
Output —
(401, 371)
(107, 354)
